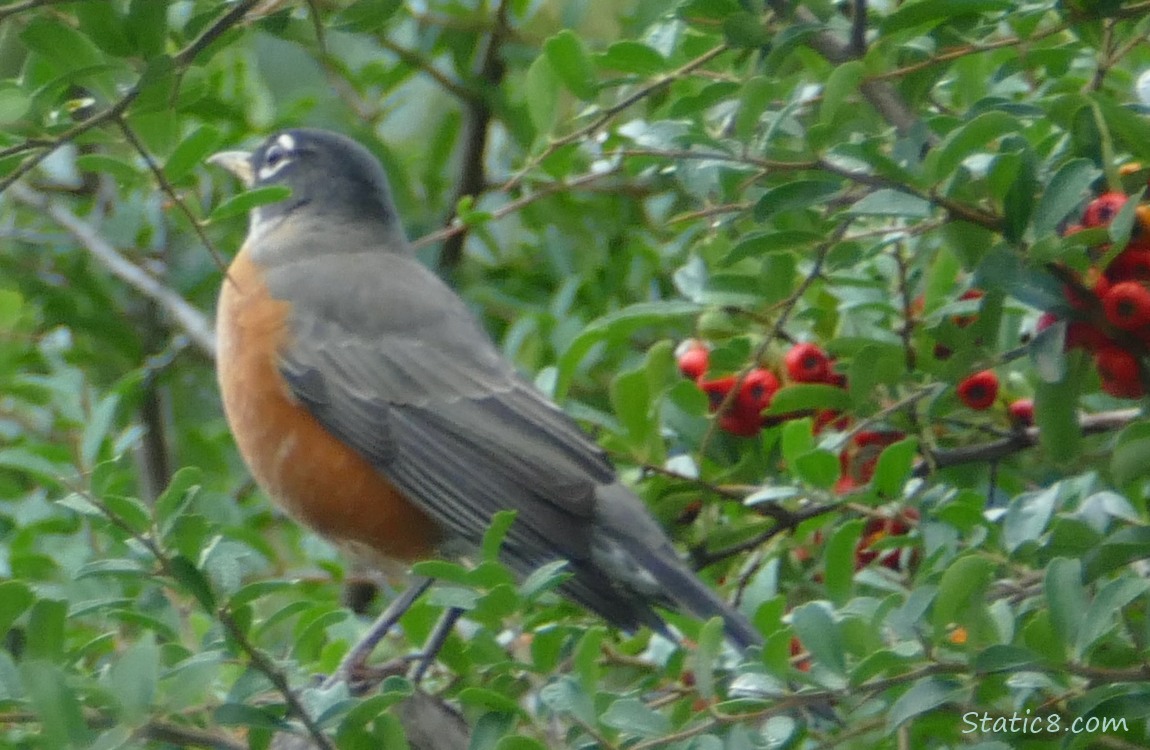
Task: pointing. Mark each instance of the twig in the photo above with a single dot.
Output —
(27, 5)
(1091, 424)
(170, 191)
(515, 205)
(472, 176)
(607, 114)
(182, 59)
(191, 320)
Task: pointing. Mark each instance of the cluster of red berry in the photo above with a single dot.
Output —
(1111, 303)
(743, 414)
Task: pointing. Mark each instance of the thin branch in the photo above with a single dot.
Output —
(182, 59)
(189, 319)
(472, 176)
(515, 205)
(1091, 424)
(11, 10)
(609, 113)
(170, 191)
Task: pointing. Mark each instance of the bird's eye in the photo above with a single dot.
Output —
(275, 154)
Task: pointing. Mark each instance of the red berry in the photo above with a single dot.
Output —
(1127, 305)
(807, 363)
(756, 392)
(1083, 335)
(866, 438)
(717, 390)
(1132, 264)
(693, 357)
(1120, 372)
(1022, 412)
(741, 423)
(979, 390)
(1101, 210)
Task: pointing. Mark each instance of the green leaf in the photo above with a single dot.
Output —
(893, 468)
(797, 439)
(925, 694)
(1130, 459)
(745, 30)
(29, 462)
(887, 202)
(1066, 597)
(497, 532)
(542, 94)
(1056, 414)
(109, 165)
(874, 365)
(753, 103)
(807, 396)
(1104, 613)
(564, 696)
(961, 591)
(794, 195)
(56, 703)
(133, 677)
(818, 468)
(843, 82)
(617, 325)
(45, 631)
(632, 716)
(68, 49)
(569, 60)
(1119, 549)
(839, 560)
(489, 700)
(1063, 194)
(631, 400)
(1046, 353)
(11, 308)
(1028, 515)
(193, 581)
(99, 424)
(15, 599)
(365, 15)
(585, 659)
(935, 12)
(241, 204)
(969, 139)
(176, 497)
(820, 635)
(192, 152)
(146, 27)
(706, 656)
(546, 577)
(14, 103)
(629, 56)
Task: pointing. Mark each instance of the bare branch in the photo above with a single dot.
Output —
(190, 319)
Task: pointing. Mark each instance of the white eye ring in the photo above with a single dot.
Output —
(276, 156)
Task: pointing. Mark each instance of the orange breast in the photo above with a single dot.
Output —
(315, 477)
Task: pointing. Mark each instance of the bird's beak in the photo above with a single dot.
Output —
(238, 163)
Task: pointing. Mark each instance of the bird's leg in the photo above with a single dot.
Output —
(435, 642)
(354, 660)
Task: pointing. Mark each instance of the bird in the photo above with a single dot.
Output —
(369, 402)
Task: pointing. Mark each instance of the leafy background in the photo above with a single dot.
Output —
(601, 180)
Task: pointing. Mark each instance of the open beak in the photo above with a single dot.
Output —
(238, 163)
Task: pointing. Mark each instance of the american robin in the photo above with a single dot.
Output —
(369, 402)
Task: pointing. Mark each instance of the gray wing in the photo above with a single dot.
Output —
(397, 367)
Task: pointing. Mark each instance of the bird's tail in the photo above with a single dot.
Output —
(682, 586)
